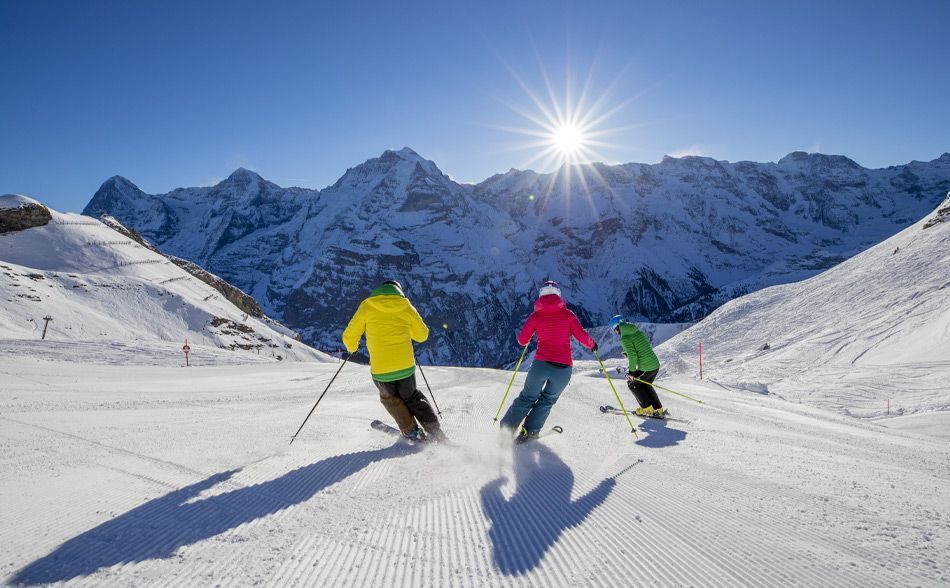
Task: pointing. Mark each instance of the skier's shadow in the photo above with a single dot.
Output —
(525, 526)
(159, 527)
(660, 434)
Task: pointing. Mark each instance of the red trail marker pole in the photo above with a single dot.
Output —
(700, 360)
(186, 348)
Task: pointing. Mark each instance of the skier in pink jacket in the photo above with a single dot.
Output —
(551, 370)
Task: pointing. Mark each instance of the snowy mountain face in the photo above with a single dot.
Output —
(868, 337)
(99, 283)
(664, 243)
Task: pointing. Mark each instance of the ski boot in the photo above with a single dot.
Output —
(660, 413)
(524, 436)
(644, 411)
(416, 435)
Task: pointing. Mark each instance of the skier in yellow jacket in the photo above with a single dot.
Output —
(391, 324)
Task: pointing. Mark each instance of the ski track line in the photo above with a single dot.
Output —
(882, 554)
(231, 512)
(709, 567)
(291, 572)
(572, 554)
(371, 569)
(366, 547)
(728, 525)
(410, 547)
(673, 547)
(110, 448)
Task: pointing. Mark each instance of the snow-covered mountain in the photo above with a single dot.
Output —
(868, 337)
(100, 283)
(664, 243)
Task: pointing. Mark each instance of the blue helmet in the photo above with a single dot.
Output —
(615, 321)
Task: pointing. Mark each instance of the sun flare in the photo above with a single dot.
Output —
(566, 129)
(569, 140)
(570, 125)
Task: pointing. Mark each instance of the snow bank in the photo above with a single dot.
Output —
(875, 327)
(16, 201)
(100, 286)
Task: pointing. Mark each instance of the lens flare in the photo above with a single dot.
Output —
(569, 141)
(565, 129)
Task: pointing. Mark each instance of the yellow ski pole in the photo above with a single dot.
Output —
(668, 390)
(609, 381)
(517, 367)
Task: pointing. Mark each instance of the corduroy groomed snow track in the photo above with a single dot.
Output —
(130, 475)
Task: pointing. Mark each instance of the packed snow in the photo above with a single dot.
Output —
(132, 475)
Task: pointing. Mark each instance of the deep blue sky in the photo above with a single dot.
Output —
(174, 94)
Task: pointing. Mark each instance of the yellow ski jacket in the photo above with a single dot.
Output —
(391, 324)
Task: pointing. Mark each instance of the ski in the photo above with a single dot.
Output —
(555, 430)
(390, 430)
(383, 427)
(614, 410)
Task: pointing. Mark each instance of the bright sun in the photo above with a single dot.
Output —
(569, 140)
(567, 130)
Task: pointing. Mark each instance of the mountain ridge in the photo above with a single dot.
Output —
(664, 242)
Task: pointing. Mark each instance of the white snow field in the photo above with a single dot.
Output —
(869, 337)
(100, 286)
(136, 475)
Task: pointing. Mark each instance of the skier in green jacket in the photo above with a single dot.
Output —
(642, 367)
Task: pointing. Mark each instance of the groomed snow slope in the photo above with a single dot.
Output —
(872, 329)
(129, 475)
(99, 285)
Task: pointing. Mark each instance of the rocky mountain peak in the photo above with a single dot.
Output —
(404, 153)
(121, 184)
(242, 173)
(242, 178)
(116, 193)
(819, 160)
(794, 157)
(390, 169)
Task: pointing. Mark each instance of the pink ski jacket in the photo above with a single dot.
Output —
(555, 325)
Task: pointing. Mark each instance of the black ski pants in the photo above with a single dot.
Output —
(644, 393)
(407, 405)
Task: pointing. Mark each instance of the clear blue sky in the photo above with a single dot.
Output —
(173, 94)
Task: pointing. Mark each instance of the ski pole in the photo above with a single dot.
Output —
(431, 395)
(512, 381)
(321, 398)
(609, 381)
(668, 390)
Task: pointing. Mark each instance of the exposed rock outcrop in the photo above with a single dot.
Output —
(18, 213)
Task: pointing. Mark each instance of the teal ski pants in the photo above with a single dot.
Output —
(543, 386)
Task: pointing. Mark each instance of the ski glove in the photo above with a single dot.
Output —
(594, 348)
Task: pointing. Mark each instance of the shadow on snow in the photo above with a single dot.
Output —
(159, 527)
(525, 526)
(660, 434)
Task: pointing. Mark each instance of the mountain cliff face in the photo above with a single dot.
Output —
(663, 243)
